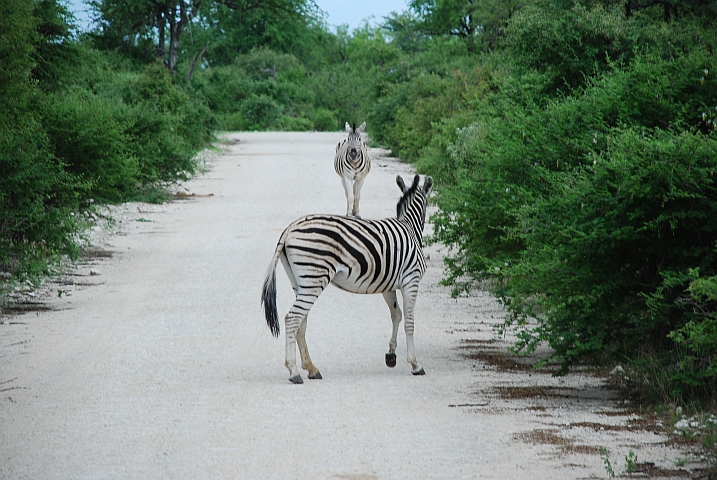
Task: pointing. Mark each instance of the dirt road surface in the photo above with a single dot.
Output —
(151, 359)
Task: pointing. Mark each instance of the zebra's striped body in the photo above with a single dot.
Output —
(352, 164)
(359, 256)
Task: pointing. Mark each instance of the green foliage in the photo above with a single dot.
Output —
(288, 26)
(323, 120)
(698, 337)
(261, 111)
(260, 90)
(56, 54)
(38, 198)
(78, 127)
(599, 244)
(479, 24)
(575, 172)
(568, 46)
(17, 47)
(89, 137)
(292, 124)
(415, 93)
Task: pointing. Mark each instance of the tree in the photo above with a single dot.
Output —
(476, 21)
(159, 25)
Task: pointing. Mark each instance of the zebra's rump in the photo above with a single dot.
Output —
(360, 256)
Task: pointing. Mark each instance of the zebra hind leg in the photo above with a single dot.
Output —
(306, 362)
(295, 331)
(291, 326)
(392, 302)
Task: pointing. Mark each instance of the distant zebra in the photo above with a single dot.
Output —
(359, 256)
(352, 163)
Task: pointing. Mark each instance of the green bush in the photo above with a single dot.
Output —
(223, 87)
(292, 124)
(40, 207)
(324, 120)
(233, 122)
(261, 111)
(39, 201)
(607, 248)
(697, 339)
(88, 135)
(586, 211)
(568, 45)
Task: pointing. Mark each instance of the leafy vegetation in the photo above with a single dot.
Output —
(587, 196)
(80, 127)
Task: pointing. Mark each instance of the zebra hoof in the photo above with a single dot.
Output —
(316, 376)
(390, 360)
(420, 372)
(297, 380)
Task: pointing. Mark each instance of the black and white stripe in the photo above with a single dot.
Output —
(352, 164)
(359, 256)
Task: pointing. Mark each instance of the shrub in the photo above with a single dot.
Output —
(324, 120)
(568, 45)
(697, 339)
(588, 210)
(293, 124)
(39, 200)
(261, 111)
(607, 248)
(88, 134)
(40, 208)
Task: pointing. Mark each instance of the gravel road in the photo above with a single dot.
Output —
(152, 358)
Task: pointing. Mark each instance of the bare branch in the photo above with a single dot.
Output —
(196, 60)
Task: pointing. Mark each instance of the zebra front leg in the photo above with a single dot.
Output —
(348, 189)
(392, 302)
(358, 183)
(409, 302)
(306, 362)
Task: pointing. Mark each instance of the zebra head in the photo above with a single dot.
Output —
(411, 207)
(354, 140)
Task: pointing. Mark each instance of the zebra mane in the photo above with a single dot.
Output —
(407, 197)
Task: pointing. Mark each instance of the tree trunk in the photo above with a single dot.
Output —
(196, 60)
(174, 32)
(160, 34)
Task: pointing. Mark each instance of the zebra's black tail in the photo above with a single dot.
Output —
(268, 295)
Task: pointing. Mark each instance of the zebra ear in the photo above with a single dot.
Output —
(361, 128)
(399, 182)
(348, 127)
(427, 185)
(416, 179)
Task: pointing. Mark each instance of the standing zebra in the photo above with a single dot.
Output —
(359, 256)
(352, 164)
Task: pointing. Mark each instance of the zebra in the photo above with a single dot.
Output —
(352, 164)
(359, 256)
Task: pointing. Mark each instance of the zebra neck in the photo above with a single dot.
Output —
(414, 228)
